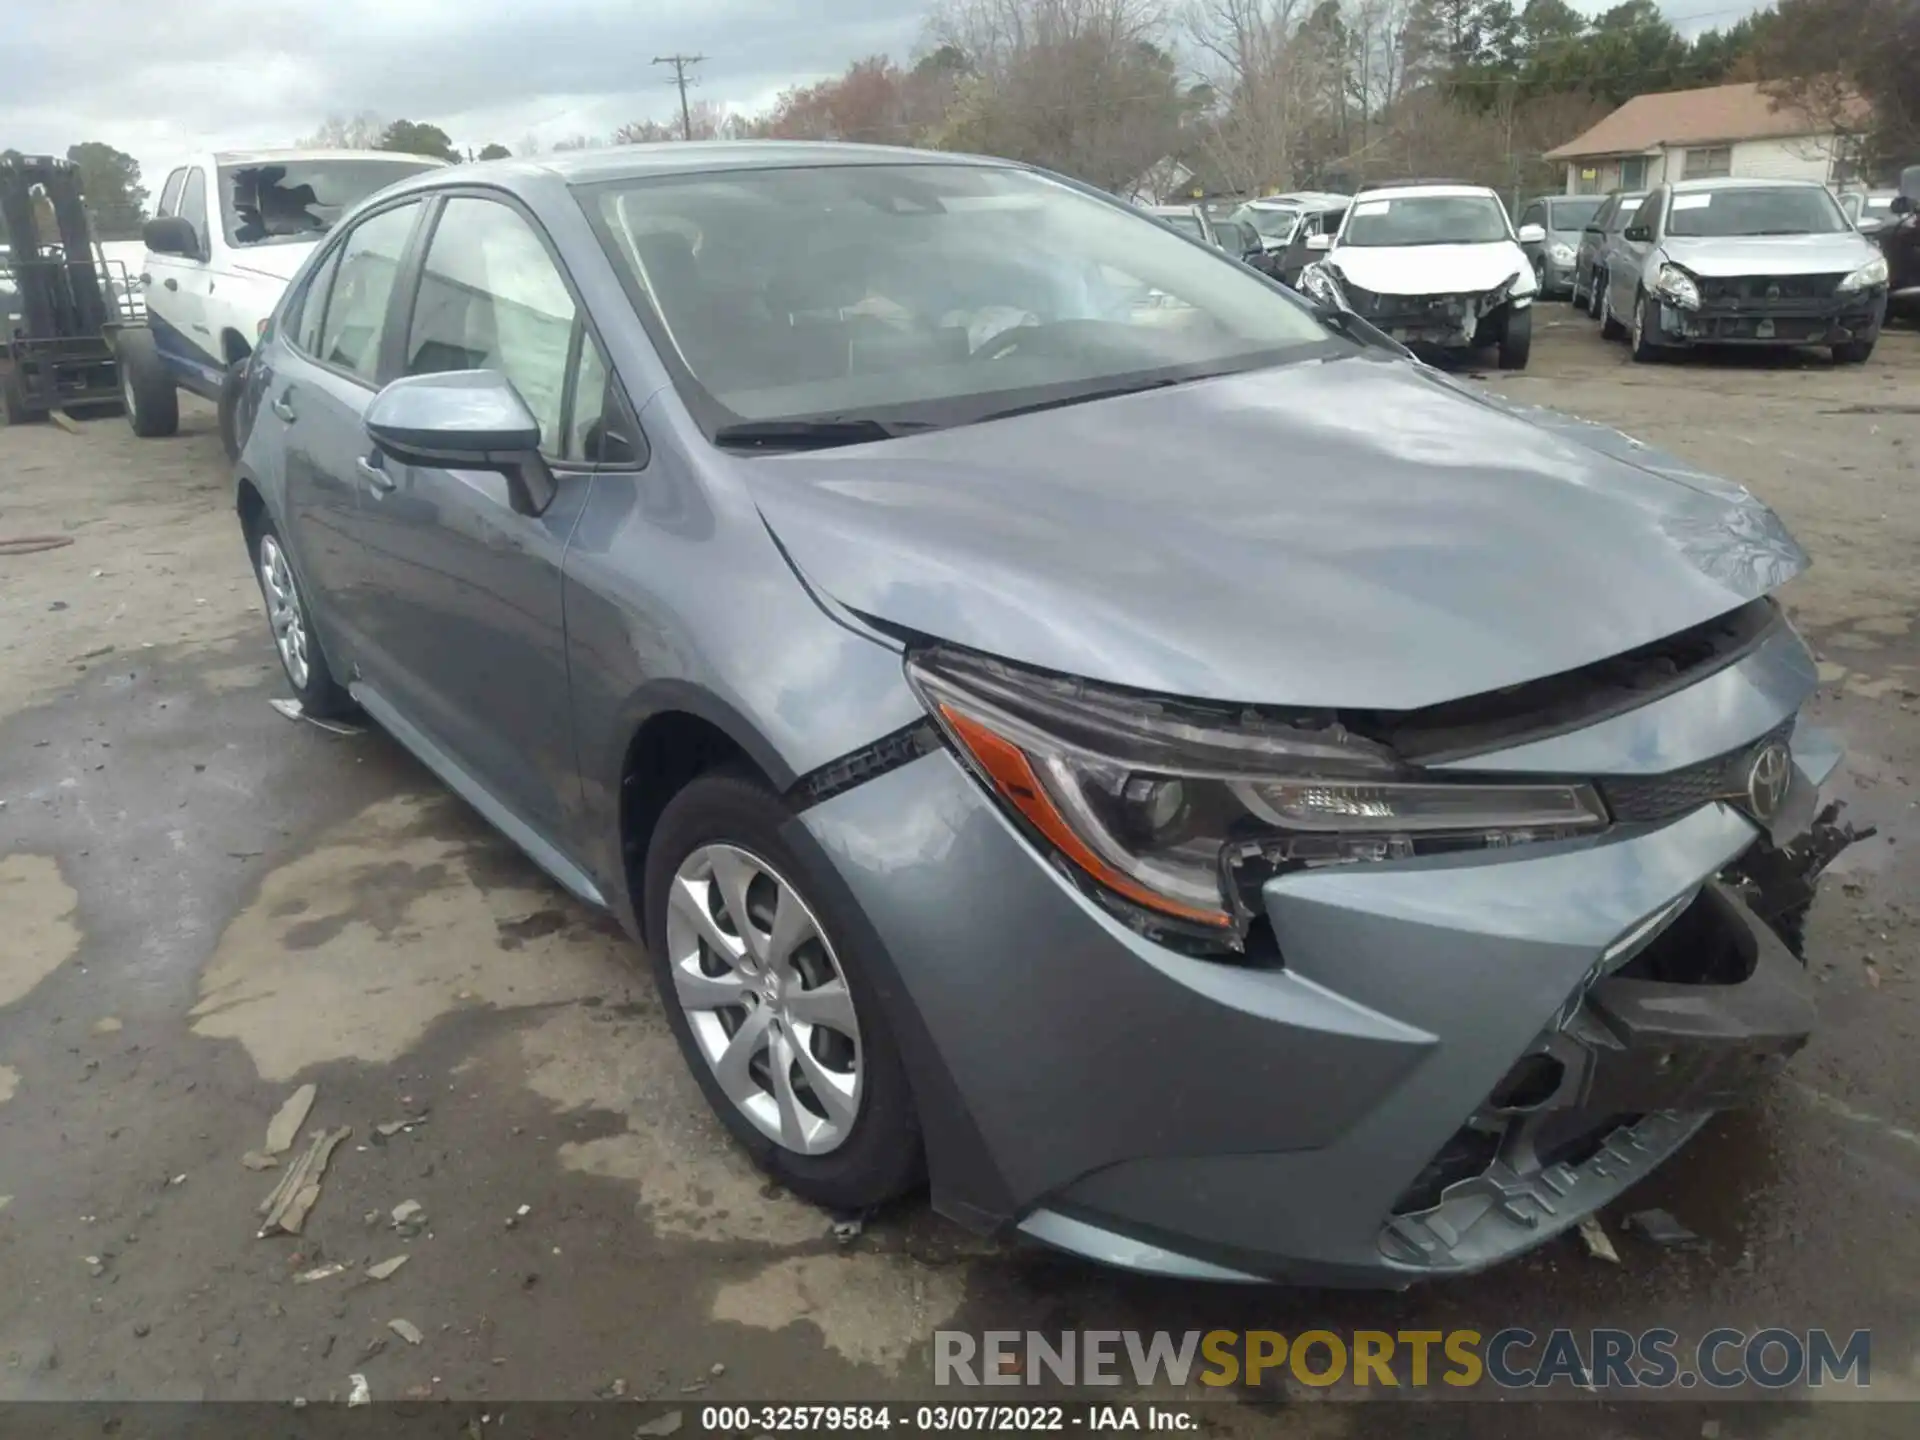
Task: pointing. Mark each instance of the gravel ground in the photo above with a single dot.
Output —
(203, 905)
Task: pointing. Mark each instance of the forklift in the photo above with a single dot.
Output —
(60, 298)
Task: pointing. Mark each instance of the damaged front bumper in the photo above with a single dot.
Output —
(1447, 322)
(1830, 321)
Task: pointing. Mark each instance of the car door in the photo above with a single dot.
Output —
(466, 633)
(1627, 255)
(181, 330)
(312, 411)
(1593, 240)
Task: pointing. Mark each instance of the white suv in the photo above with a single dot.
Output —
(1432, 265)
(228, 234)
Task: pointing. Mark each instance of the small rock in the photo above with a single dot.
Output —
(718, 1370)
(107, 1025)
(1598, 1243)
(141, 1329)
(386, 1268)
(178, 1180)
(358, 1393)
(667, 1424)
(1662, 1229)
(406, 1330)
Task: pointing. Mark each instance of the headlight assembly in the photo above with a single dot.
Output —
(1179, 811)
(1318, 282)
(1874, 272)
(1677, 287)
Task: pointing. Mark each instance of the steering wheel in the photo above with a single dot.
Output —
(1007, 341)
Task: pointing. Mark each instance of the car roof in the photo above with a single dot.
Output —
(1305, 199)
(1418, 191)
(631, 162)
(1741, 182)
(263, 157)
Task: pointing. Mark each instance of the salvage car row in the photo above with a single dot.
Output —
(856, 571)
(1706, 262)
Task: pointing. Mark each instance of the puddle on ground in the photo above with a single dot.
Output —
(693, 1181)
(39, 935)
(351, 951)
(870, 1309)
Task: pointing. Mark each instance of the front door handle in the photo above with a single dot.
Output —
(282, 406)
(374, 475)
(172, 284)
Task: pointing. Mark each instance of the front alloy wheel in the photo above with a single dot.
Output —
(765, 998)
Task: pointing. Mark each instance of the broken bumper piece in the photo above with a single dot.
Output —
(1688, 1020)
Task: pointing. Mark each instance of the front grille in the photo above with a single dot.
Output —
(1650, 799)
(1761, 290)
(1411, 309)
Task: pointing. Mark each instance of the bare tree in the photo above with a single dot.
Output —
(343, 132)
(1275, 86)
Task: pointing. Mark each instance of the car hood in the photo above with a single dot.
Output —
(1430, 269)
(1769, 254)
(1355, 532)
(277, 261)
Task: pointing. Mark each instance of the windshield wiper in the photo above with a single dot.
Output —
(1084, 396)
(809, 434)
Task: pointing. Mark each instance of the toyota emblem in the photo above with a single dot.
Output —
(1769, 774)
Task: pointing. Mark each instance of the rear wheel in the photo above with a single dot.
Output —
(305, 666)
(1516, 339)
(153, 405)
(764, 984)
(1610, 328)
(1853, 352)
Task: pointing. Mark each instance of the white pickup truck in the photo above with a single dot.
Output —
(229, 232)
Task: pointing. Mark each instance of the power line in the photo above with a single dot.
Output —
(680, 64)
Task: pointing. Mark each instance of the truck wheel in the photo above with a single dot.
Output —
(1516, 339)
(153, 405)
(230, 388)
(1854, 352)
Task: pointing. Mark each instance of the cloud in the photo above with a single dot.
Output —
(233, 74)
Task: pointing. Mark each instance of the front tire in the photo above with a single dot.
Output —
(301, 660)
(773, 1003)
(1516, 339)
(1853, 352)
(153, 404)
(1645, 351)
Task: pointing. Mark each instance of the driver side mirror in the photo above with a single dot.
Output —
(1902, 205)
(1638, 234)
(465, 420)
(1532, 234)
(1319, 242)
(170, 235)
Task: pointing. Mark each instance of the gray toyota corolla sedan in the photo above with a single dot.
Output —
(1071, 724)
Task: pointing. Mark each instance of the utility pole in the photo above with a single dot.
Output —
(680, 64)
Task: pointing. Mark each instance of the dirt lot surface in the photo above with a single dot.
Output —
(204, 905)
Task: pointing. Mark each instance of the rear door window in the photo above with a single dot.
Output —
(303, 323)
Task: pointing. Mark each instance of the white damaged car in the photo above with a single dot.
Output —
(1435, 266)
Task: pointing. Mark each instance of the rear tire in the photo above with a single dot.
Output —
(153, 404)
(301, 659)
(1516, 339)
(856, 1163)
(230, 389)
(1610, 328)
(1854, 352)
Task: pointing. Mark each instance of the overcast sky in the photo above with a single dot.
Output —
(164, 78)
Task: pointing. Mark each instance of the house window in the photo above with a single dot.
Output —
(1705, 164)
(1633, 173)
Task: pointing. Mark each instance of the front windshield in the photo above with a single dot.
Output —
(1275, 225)
(1755, 210)
(1426, 220)
(1186, 225)
(924, 294)
(1573, 214)
(300, 199)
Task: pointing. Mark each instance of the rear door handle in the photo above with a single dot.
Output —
(283, 407)
(374, 475)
